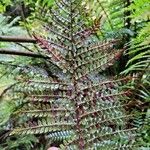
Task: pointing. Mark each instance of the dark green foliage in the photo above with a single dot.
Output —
(139, 63)
(18, 142)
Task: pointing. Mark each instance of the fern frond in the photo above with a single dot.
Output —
(98, 47)
(45, 113)
(76, 102)
(95, 65)
(119, 133)
(43, 128)
(60, 135)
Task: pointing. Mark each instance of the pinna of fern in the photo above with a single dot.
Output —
(75, 103)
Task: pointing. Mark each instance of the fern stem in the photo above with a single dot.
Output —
(22, 53)
(17, 39)
(106, 14)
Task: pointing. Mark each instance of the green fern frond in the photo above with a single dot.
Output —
(43, 128)
(60, 135)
